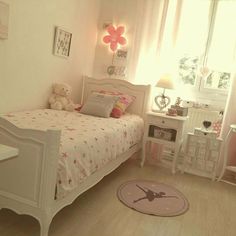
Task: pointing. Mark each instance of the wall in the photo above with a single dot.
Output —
(27, 65)
(122, 12)
(230, 118)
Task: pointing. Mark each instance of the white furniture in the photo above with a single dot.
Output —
(7, 152)
(166, 130)
(231, 132)
(27, 183)
(202, 153)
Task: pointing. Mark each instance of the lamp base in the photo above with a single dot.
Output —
(162, 101)
(158, 111)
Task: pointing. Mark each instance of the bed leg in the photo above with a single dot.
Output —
(44, 225)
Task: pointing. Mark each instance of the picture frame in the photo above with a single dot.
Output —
(62, 42)
(121, 55)
(4, 18)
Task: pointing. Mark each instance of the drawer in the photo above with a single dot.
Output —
(214, 145)
(162, 122)
(162, 133)
(203, 142)
(205, 133)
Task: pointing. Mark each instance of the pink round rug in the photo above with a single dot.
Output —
(152, 198)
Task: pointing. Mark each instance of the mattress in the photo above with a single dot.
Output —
(87, 142)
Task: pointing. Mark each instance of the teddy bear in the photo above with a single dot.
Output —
(60, 97)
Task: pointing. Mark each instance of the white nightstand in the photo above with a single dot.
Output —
(7, 152)
(166, 130)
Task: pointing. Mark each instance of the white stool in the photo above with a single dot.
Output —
(225, 162)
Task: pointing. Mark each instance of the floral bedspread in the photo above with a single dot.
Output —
(87, 142)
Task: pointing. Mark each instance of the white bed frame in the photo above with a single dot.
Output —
(27, 182)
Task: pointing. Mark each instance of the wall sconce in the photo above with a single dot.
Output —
(114, 39)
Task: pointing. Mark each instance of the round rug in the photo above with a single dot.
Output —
(152, 198)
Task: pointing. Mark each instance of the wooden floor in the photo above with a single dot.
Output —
(98, 211)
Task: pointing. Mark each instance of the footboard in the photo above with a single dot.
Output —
(27, 181)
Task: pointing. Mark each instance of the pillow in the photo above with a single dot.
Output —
(99, 105)
(121, 105)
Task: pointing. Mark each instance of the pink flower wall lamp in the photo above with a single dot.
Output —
(114, 37)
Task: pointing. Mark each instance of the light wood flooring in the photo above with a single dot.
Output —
(98, 211)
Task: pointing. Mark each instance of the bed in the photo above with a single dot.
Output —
(35, 182)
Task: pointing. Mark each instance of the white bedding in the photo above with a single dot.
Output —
(87, 142)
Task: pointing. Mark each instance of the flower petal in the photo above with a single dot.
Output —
(111, 29)
(107, 39)
(121, 40)
(120, 30)
(113, 46)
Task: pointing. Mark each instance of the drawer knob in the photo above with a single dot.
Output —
(163, 122)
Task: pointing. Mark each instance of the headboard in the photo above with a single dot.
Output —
(141, 92)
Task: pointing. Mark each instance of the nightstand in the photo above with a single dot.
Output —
(166, 130)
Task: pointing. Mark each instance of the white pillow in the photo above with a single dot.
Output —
(99, 105)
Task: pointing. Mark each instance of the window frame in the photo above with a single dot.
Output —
(200, 79)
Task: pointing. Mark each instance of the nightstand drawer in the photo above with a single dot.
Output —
(162, 122)
(162, 133)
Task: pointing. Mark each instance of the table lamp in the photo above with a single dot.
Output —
(162, 101)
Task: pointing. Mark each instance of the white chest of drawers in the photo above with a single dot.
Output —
(202, 154)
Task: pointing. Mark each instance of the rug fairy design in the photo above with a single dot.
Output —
(152, 198)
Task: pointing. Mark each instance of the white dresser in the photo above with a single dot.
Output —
(202, 153)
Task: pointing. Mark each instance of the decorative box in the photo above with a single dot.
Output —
(206, 133)
(181, 111)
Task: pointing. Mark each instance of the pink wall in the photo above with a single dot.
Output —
(230, 118)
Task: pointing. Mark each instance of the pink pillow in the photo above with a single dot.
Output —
(121, 105)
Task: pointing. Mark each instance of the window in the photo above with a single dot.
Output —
(206, 44)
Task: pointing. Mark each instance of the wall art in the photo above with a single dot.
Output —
(62, 42)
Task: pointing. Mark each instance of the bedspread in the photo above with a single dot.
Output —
(87, 142)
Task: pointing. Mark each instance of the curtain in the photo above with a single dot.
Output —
(156, 30)
(154, 42)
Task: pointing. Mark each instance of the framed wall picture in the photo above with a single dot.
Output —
(62, 42)
(4, 15)
(121, 55)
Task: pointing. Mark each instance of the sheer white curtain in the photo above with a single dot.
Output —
(153, 44)
(154, 40)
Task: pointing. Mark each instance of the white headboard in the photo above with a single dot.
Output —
(141, 92)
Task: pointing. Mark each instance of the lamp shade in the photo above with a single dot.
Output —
(165, 82)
